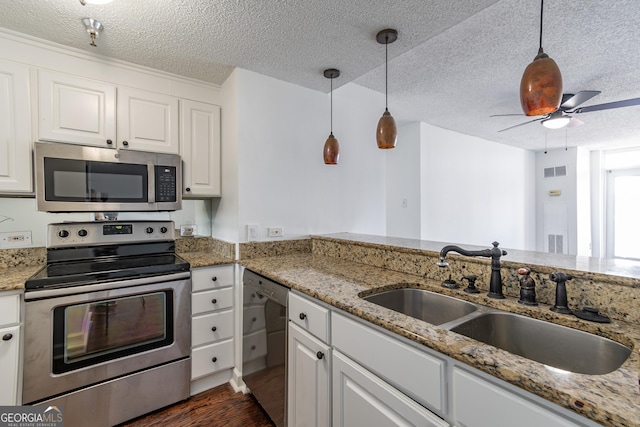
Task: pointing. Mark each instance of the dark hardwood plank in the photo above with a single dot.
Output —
(220, 406)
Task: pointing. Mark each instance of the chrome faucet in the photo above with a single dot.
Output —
(495, 284)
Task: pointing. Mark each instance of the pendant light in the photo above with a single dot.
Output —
(331, 146)
(387, 132)
(541, 84)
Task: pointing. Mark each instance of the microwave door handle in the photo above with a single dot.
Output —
(151, 187)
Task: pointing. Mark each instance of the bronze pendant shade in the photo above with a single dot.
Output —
(331, 145)
(387, 131)
(541, 84)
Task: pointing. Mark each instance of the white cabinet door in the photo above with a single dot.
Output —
(76, 110)
(200, 148)
(9, 351)
(15, 128)
(308, 392)
(362, 399)
(478, 403)
(147, 121)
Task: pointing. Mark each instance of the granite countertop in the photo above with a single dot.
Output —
(14, 278)
(204, 259)
(612, 399)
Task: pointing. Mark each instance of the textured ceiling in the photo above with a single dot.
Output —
(455, 62)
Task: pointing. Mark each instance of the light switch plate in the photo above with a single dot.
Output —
(253, 233)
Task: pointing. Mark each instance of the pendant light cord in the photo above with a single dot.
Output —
(541, 9)
(331, 116)
(386, 74)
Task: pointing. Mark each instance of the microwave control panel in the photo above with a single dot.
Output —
(166, 183)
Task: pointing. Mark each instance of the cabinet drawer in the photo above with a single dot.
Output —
(9, 310)
(253, 319)
(203, 279)
(210, 328)
(309, 316)
(254, 345)
(413, 372)
(209, 359)
(216, 299)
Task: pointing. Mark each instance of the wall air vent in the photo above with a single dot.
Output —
(556, 243)
(555, 171)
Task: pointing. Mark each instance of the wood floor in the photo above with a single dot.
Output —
(220, 406)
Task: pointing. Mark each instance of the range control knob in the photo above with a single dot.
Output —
(82, 232)
(63, 233)
(163, 230)
(149, 230)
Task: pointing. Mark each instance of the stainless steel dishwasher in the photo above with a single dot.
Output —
(264, 342)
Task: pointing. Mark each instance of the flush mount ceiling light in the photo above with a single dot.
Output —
(93, 28)
(541, 84)
(556, 120)
(86, 2)
(387, 132)
(331, 146)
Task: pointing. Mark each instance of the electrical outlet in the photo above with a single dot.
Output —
(253, 233)
(15, 239)
(275, 231)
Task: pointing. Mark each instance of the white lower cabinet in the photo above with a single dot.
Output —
(478, 403)
(309, 361)
(9, 349)
(362, 399)
(212, 326)
(378, 378)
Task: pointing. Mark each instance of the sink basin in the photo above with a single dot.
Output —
(424, 305)
(554, 345)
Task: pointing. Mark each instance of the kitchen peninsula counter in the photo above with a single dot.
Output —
(612, 399)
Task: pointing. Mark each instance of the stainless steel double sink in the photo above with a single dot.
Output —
(548, 343)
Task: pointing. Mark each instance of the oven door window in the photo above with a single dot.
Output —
(94, 332)
(90, 181)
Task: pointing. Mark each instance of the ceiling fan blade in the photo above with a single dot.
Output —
(574, 122)
(506, 115)
(522, 124)
(579, 98)
(607, 106)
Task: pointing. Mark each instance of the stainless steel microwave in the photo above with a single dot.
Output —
(75, 178)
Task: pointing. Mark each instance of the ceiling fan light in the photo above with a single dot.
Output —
(541, 86)
(556, 122)
(387, 132)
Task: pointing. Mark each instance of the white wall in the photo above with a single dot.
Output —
(225, 209)
(403, 184)
(557, 207)
(282, 179)
(476, 191)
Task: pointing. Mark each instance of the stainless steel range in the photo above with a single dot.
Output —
(107, 322)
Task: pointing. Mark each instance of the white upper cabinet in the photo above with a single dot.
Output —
(200, 148)
(148, 121)
(76, 110)
(15, 128)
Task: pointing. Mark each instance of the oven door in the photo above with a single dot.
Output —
(74, 341)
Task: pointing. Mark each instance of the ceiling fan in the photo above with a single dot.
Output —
(569, 105)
